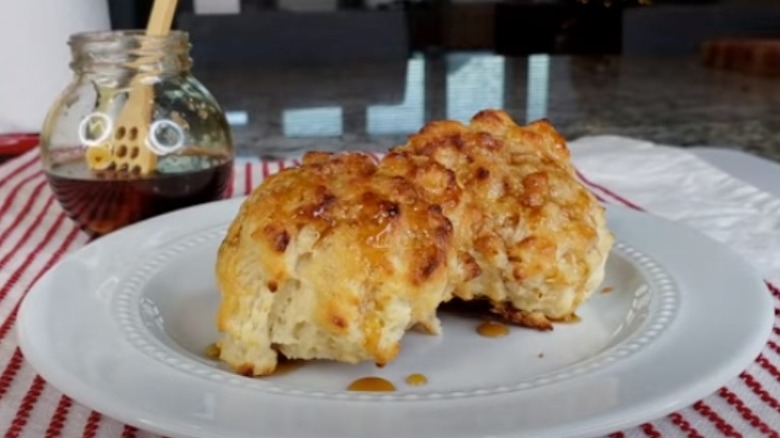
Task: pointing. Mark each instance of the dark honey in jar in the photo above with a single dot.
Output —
(104, 201)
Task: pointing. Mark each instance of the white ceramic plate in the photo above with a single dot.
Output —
(121, 325)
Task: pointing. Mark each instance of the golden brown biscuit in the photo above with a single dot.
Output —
(337, 258)
(330, 260)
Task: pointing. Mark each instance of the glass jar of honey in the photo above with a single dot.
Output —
(134, 134)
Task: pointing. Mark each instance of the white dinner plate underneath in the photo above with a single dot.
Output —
(121, 326)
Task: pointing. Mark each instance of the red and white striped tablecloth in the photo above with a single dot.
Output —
(35, 233)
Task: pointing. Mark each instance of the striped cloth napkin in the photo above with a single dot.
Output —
(35, 233)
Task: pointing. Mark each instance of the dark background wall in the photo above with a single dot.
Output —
(263, 33)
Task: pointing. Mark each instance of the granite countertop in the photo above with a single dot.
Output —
(677, 101)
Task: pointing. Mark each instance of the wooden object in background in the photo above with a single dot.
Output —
(127, 149)
(760, 56)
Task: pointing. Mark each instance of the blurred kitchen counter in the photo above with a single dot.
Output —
(279, 112)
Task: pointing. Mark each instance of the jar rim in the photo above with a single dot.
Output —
(133, 49)
(112, 36)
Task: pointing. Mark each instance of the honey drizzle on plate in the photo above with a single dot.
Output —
(286, 366)
(416, 379)
(571, 319)
(491, 329)
(212, 351)
(371, 384)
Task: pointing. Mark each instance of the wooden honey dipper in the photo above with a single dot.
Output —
(126, 149)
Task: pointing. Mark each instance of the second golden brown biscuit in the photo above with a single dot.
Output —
(529, 237)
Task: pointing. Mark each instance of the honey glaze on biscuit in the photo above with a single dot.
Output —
(371, 384)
